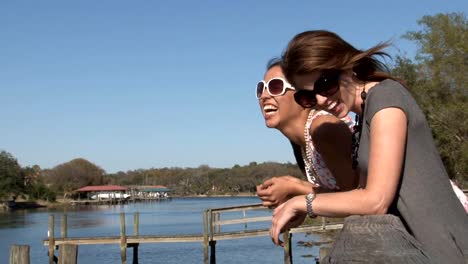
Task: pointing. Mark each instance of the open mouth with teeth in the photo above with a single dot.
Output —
(270, 109)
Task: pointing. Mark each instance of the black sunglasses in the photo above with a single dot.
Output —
(326, 85)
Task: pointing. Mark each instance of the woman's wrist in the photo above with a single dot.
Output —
(305, 188)
(310, 210)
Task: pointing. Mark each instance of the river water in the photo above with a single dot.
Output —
(166, 217)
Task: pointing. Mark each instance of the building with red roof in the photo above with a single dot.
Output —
(102, 188)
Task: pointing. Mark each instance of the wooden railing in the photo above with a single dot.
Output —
(212, 225)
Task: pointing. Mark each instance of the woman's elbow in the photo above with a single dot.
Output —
(380, 210)
(377, 206)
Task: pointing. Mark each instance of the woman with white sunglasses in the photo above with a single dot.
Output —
(401, 172)
(326, 162)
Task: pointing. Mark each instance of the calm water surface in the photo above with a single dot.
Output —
(175, 216)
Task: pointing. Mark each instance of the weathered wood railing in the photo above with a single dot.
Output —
(212, 224)
(212, 229)
(375, 239)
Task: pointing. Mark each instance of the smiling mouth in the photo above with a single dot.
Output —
(269, 109)
(332, 106)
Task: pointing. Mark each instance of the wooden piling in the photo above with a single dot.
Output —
(136, 224)
(135, 252)
(323, 252)
(19, 254)
(213, 252)
(136, 233)
(212, 242)
(324, 222)
(205, 236)
(123, 239)
(68, 254)
(287, 247)
(51, 235)
(63, 230)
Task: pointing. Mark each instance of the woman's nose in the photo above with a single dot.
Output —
(321, 100)
(265, 94)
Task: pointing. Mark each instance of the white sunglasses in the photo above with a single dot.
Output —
(275, 87)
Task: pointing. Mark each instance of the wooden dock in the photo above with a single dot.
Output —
(211, 234)
(381, 238)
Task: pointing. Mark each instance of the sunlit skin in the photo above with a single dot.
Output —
(378, 189)
(278, 111)
(282, 113)
(342, 102)
(289, 118)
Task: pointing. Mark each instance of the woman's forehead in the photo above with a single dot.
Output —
(275, 71)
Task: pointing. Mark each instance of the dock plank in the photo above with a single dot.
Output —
(182, 238)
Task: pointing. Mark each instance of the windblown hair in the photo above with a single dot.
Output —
(320, 50)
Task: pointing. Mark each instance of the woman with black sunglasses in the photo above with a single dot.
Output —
(325, 160)
(401, 172)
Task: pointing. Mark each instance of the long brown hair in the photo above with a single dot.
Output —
(320, 50)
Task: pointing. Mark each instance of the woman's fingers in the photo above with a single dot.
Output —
(274, 234)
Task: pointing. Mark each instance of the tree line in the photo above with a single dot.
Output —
(436, 77)
(66, 178)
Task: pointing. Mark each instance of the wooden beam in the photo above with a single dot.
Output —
(243, 220)
(375, 239)
(184, 238)
(19, 254)
(123, 239)
(68, 254)
(51, 234)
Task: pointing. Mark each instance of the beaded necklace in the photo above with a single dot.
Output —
(307, 151)
(357, 130)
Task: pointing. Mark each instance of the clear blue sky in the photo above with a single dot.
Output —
(150, 84)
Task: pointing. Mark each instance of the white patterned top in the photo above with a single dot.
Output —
(317, 171)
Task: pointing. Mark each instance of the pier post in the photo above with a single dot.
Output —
(136, 224)
(287, 247)
(64, 228)
(212, 242)
(19, 254)
(324, 222)
(136, 232)
(51, 235)
(123, 239)
(213, 252)
(68, 254)
(135, 252)
(205, 237)
(323, 252)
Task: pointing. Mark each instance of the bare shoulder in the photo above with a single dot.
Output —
(327, 128)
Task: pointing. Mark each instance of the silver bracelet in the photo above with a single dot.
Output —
(309, 198)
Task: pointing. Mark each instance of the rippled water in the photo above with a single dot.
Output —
(175, 216)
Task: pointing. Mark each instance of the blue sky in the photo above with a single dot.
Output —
(148, 84)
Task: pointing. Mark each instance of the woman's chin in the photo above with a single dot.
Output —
(271, 123)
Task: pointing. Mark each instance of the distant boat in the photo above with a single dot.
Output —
(102, 196)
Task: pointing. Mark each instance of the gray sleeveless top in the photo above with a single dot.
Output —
(424, 201)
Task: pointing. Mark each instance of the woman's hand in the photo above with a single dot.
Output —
(278, 190)
(288, 215)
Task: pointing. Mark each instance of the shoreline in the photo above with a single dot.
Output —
(7, 206)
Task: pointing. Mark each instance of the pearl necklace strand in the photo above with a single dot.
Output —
(307, 151)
